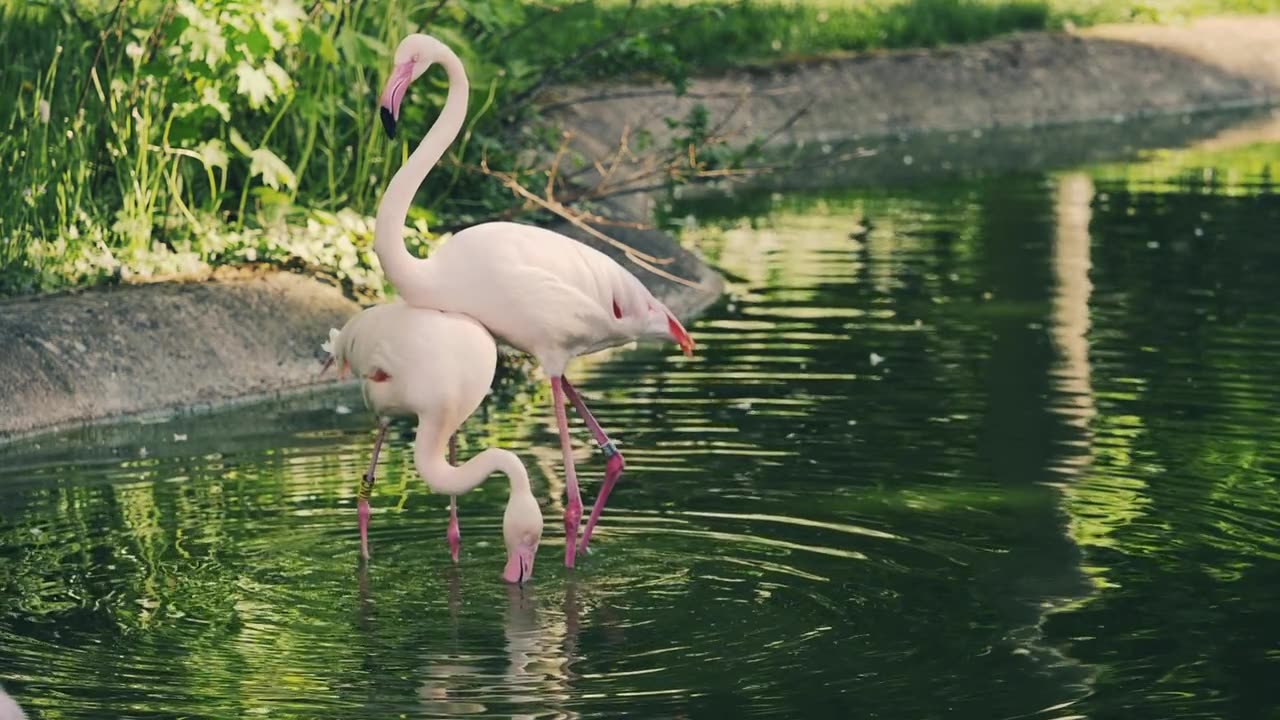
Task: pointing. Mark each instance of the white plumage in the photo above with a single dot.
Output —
(437, 366)
(541, 292)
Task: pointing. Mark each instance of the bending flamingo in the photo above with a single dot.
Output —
(438, 366)
(542, 292)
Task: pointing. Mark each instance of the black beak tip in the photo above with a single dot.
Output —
(388, 122)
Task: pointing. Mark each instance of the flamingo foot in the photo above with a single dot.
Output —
(613, 470)
(572, 519)
(362, 510)
(454, 535)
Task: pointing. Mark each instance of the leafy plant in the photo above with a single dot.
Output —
(147, 137)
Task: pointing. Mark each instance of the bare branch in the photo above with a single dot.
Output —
(644, 260)
(564, 212)
(555, 165)
(789, 122)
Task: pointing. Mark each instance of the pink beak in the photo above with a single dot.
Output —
(393, 95)
(519, 565)
(680, 335)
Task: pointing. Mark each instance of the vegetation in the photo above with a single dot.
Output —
(150, 138)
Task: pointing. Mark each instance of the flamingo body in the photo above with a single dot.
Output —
(539, 291)
(439, 367)
(418, 362)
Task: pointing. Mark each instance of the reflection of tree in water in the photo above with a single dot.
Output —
(957, 436)
(1179, 514)
(153, 564)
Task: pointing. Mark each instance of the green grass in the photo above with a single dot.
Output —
(709, 35)
(148, 138)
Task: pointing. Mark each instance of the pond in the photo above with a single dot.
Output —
(999, 444)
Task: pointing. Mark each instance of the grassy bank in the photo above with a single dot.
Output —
(710, 35)
(148, 138)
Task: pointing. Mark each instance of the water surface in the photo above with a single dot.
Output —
(1000, 445)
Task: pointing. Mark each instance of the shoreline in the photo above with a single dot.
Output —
(1024, 81)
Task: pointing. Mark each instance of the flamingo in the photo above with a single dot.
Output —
(9, 709)
(438, 366)
(539, 291)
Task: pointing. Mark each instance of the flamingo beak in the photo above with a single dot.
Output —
(328, 363)
(681, 336)
(393, 95)
(520, 564)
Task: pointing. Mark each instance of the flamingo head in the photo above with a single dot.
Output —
(640, 315)
(659, 322)
(521, 532)
(414, 56)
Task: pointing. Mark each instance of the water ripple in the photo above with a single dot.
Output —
(975, 460)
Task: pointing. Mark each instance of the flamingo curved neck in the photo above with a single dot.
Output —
(446, 479)
(402, 268)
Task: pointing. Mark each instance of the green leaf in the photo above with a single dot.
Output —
(210, 99)
(255, 85)
(310, 42)
(269, 196)
(238, 142)
(519, 69)
(374, 46)
(281, 22)
(183, 109)
(328, 52)
(347, 45)
(211, 96)
(273, 170)
(213, 153)
(279, 77)
(202, 37)
(259, 43)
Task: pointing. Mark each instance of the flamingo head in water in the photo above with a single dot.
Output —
(414, 56)
(521, 532)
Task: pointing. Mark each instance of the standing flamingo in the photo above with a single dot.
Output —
(438, 366)
(542, 292)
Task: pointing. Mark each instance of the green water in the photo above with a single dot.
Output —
(994, 446)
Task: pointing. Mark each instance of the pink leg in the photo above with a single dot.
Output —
(573, 510)
(455, 533)
(366, 489)
(613, 461)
